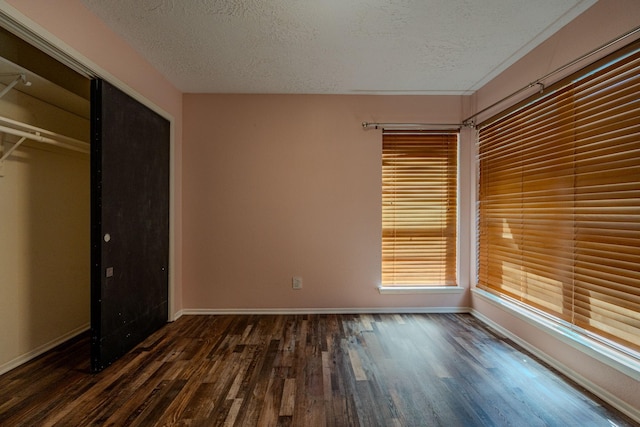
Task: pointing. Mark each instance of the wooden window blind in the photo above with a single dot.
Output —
(559, 202)
(419, 208)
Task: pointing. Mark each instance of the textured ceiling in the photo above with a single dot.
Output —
(334, 46)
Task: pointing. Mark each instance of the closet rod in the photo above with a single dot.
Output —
(14, 125)
(44, 139)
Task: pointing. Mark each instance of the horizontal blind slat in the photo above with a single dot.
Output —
(419, 184)
(559, 202)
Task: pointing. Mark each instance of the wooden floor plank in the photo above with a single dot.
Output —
(303, 370)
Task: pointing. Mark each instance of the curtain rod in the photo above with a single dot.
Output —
(411, 126)
(538, 82)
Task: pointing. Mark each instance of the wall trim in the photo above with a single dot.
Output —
(345, 310)
(618, 360)
(26, 357)
(592, 387)
(421, 289)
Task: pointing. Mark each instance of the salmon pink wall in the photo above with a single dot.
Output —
(601, 23)
(70, 26)
(277, 186)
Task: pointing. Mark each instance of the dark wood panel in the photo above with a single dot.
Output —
(130, 204)
(303, 370)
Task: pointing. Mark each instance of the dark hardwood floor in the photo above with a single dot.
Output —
(303, 370)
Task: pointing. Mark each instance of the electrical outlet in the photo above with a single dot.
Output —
(296, 283)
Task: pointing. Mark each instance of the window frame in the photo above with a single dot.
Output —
(454, 286)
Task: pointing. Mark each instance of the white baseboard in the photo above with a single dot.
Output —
(178, 314)
(24, 358)
(603, 394)
(358, 310)
(421, 289)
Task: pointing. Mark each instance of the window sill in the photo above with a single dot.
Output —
(420, 289)
(619, 360)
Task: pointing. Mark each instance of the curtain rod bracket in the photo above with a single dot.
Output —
(366, 125)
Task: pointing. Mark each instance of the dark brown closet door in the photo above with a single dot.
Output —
(129, 223)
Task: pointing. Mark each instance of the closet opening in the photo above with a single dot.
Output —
(44, 202)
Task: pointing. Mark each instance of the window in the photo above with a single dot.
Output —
(419, 186)
(559, 202)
